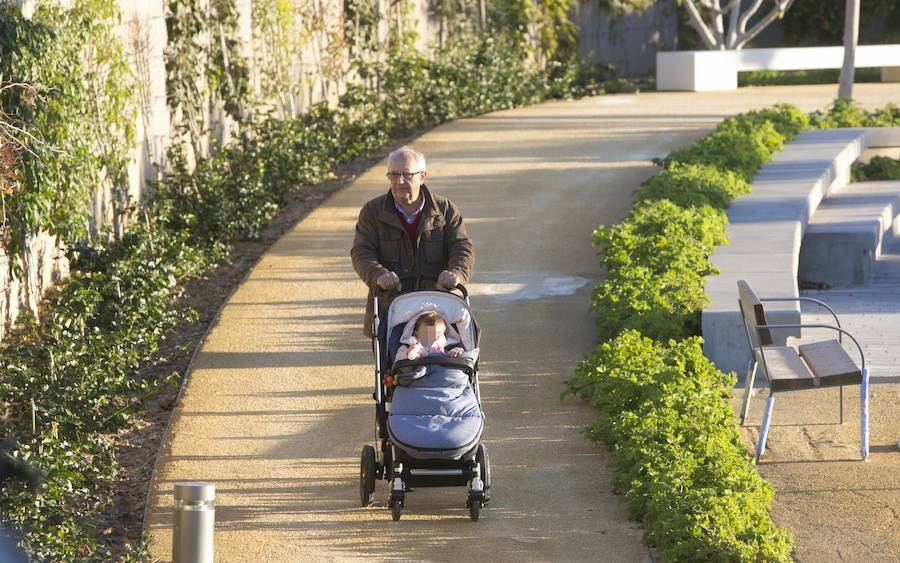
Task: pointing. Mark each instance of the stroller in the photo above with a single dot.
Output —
(428, 418)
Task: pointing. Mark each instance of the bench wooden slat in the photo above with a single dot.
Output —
(786, 370)
(830, 363)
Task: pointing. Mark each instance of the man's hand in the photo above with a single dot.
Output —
(388, 281)
(448, 279)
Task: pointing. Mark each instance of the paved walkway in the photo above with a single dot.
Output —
(278, 405)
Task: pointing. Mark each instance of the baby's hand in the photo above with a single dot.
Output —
(414, 351)
(455, 352)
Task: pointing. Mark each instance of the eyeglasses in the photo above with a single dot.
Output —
(405, 175)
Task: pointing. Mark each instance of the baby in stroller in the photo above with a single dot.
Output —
(429, 337)
(428, 407)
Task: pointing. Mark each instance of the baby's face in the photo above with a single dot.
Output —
(429, 334)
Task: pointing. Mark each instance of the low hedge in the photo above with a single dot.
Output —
(662, 405)
(677, 450)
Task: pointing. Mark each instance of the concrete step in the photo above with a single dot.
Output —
(888, 264)
(846, 234)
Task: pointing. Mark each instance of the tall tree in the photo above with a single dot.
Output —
(851, 34)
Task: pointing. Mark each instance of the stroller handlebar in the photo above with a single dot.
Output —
(379, 292)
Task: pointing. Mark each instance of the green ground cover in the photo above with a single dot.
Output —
(663, 408)
(785, 77)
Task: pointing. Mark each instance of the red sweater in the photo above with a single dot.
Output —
(411, 228)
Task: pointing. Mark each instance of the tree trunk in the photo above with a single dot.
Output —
(851, 33)
(482, 15)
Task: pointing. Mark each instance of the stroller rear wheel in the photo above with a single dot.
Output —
(474, 510)
(481, 457)
(367, 467)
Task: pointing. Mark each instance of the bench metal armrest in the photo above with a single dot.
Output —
(832, 327)
(811, 300)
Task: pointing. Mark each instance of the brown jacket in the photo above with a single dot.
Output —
(382, 244)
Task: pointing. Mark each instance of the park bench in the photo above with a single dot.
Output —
(717, 70)
(786, 368)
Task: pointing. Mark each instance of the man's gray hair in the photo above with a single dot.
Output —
(407, 150)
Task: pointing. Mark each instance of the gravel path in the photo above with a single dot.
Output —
(279, 402)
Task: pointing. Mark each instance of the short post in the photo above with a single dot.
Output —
(195, 517)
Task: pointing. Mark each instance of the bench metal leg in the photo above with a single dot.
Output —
(864, 414)
(748, 389)
(842, 404)
(764, 432)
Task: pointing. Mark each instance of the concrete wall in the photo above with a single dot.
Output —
(629, 41)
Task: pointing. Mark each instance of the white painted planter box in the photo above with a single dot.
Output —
(717, 70)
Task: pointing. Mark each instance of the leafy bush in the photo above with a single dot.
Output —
(879, 168)
(741, 146)
(695, 185)
(677, 450)
(822, 76)
(661, 403)
(844, 113)
(659, 235)
(656, 260)
(78, 375)
(785, 118)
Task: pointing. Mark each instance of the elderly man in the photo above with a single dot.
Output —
(410, 231)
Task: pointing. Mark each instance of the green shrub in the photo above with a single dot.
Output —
(656, 260)
(740, 146)
(785, 118)
(879, 168)
(677, 450)
(77, 374)
(659, 235)
(665, 305)
(661, 403)
(823, 76)
(695, 185)
(844, 113)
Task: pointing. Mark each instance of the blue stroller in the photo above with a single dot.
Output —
(428, 418)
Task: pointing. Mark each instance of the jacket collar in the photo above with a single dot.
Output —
(429, 212)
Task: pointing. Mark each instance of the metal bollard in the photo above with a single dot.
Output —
(195, 518)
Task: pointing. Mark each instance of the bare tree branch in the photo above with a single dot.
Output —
(745, 18)
(719, 23)
(776, 12)
(699, 25)
(735, 8)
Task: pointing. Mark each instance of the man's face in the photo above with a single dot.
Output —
(406, 179)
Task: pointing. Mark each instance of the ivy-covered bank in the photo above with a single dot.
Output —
(73, 379)
(662, 405)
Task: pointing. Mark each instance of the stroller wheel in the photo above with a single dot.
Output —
(367, 466)
(474, 508)
(481, 457)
